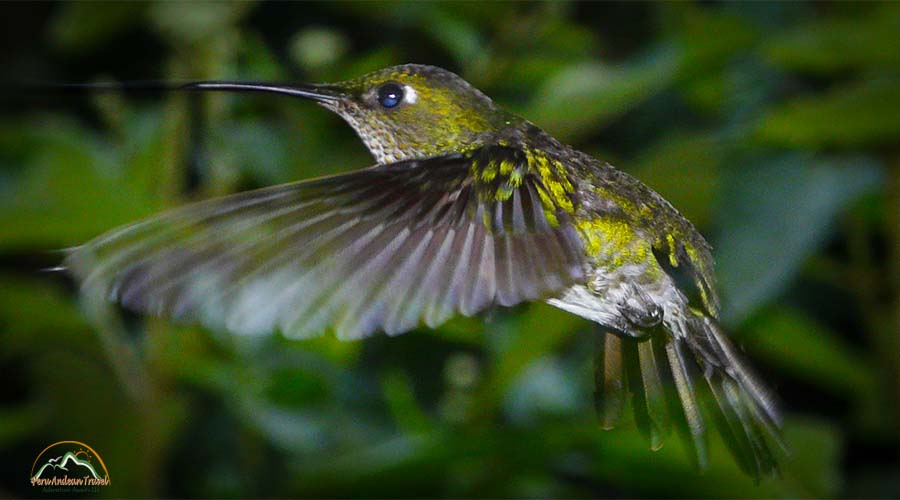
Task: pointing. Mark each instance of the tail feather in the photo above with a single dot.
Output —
(687, 397)
(609, 380)
(627, 368)
(736, 367)
(634, 385)
(741, 434)
(653, 396)
(701, 374)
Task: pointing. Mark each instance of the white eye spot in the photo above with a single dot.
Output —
(409, 95)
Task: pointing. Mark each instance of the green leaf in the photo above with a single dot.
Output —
(191, 23)
(774, 216)
(807, 350)
(814, 467)
(547, 387)
(75, 187)
(584, 96)
(460, 38)
(520, 340)
(83, 26)
(258, 61)
(864, 113)
(19, 422)
(840, 43)
(401, 399)
(34, 315)
(314, 48)
(708, 38)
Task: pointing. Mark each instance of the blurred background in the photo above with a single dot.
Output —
(773, 126)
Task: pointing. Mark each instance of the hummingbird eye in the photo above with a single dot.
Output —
(390, 95)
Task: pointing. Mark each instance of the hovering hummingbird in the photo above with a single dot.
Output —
(468, 206)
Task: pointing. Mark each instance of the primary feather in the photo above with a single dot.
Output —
(385, 248)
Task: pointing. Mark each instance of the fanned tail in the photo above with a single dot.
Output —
(691, 377)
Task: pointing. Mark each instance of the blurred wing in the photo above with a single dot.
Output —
(379, 249)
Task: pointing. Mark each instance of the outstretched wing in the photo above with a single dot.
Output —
(383, 248)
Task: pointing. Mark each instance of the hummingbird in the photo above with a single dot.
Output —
(467, 207)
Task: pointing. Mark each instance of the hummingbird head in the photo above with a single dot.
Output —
(401, 112)
(414, 111)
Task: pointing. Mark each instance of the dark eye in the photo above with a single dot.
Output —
(390, 95)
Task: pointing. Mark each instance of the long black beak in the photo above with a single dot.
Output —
(315, 92)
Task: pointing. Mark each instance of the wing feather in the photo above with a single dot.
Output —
(385, 248)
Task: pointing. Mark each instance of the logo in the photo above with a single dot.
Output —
(69, 467)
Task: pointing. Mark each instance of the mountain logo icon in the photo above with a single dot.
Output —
(69, 467)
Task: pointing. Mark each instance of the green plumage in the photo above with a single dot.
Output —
(468, 207)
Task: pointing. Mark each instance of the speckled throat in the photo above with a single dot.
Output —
(376, 136)
(392, 141)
